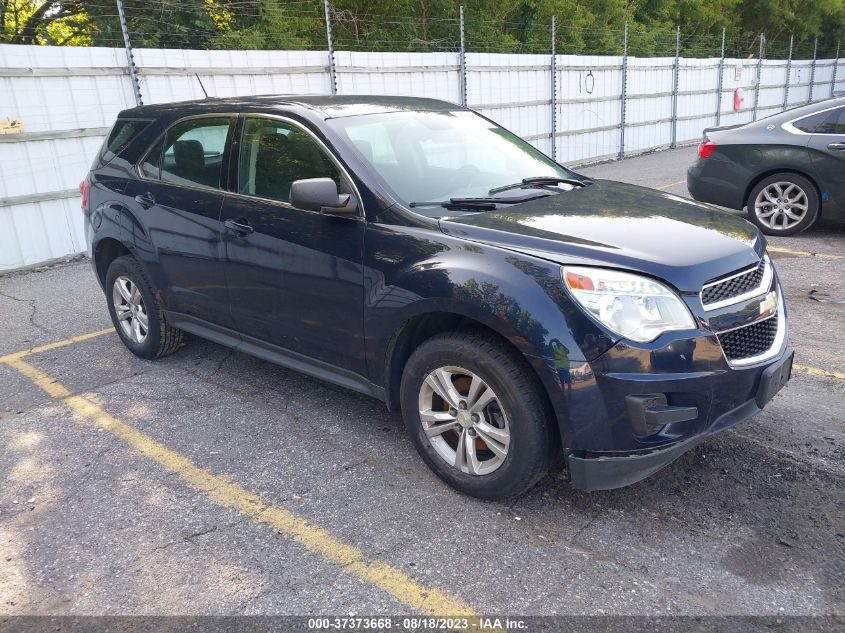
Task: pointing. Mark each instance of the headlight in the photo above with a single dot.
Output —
(635, 307)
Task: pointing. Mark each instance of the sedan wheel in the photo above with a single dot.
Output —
(463, 420)
(781, 205)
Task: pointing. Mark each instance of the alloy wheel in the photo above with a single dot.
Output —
(130, 309)
(464, 420)
(781, 205)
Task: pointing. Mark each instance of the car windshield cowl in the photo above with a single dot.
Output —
(542, 181)
(484, 203)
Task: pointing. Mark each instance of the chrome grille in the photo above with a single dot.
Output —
(750, 340)
(734, 286)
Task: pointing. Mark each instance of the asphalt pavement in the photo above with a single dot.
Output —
(210, 482)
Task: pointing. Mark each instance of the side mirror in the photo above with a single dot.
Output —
(320, 194)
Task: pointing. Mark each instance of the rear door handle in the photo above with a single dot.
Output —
(836, 147)
(240, 227)
(146, 200)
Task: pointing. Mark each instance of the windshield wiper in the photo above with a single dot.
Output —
(481, 203)
(459, 203)
(539, 181)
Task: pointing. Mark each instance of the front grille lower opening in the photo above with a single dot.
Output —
(751, 340)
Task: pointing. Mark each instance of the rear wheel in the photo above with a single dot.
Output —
(136, 313)
(476, 415)
(783, 204)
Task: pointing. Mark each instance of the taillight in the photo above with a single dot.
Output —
(706, 148)
(85, 189)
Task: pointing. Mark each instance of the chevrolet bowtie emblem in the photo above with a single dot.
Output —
(769, 304)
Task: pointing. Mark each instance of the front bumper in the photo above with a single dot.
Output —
(602, 470)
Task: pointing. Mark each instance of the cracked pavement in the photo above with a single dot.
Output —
(749, 522)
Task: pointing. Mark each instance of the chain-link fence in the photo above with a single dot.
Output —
(578, 94)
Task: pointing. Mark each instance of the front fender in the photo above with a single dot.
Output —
(413, 272)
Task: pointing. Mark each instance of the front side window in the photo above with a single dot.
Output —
(443, 155)
(192, 153)
(276, 153)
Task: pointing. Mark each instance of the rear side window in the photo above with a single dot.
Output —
(191, 153)
(834, 124)
(810, 124)
(122, 133)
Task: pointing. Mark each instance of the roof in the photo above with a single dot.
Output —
(804, 110)
(326, 106)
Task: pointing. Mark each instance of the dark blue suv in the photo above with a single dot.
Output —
(410, 249)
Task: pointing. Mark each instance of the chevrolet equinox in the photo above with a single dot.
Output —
(516, 312)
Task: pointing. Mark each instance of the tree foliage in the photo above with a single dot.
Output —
(584, 27)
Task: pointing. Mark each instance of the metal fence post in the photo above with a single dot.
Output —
(813, 69)
(330, 41)
(759, 72)
(554, 88)
(720, 83)
(463, 61)
(788, 72)
(624, 92)
(677, 70)
(835, 68)
(130, 58)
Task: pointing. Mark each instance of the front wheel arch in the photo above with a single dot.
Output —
(420, 328)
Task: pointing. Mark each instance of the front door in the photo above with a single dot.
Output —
(179, 233)
(827, 146)
(295, 277)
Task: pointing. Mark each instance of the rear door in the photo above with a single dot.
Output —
(828, 151)
(177, 201)
(295, 277)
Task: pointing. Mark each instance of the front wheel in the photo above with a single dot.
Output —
(476, 415)
(783, 204)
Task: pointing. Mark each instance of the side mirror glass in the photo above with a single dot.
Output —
(321, 195)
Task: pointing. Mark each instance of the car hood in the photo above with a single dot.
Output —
(624, 226)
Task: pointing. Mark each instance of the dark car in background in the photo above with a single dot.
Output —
(787, 170)
(412, 250)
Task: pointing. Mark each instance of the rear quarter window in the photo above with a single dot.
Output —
(121, 135)
(809, 123)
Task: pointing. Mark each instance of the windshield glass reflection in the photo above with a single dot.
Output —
(441, 155)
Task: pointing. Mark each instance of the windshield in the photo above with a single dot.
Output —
(425, 156)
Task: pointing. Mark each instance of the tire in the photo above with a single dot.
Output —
(791, 211)
(155, 340)
(514, 408)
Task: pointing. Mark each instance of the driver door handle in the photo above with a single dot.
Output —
(836, 147)
(146, 200)
(240, 227)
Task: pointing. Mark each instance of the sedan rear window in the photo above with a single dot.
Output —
(809, 124)
(834, 123)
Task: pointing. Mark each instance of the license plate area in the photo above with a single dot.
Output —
(773, 380)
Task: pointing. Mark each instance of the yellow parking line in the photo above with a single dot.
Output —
(815, 371)
(672, 184)
(56, 345)
(790, 251)
(228, 494)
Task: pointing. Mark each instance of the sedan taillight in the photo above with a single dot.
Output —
(85, 189)
(706, 148)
